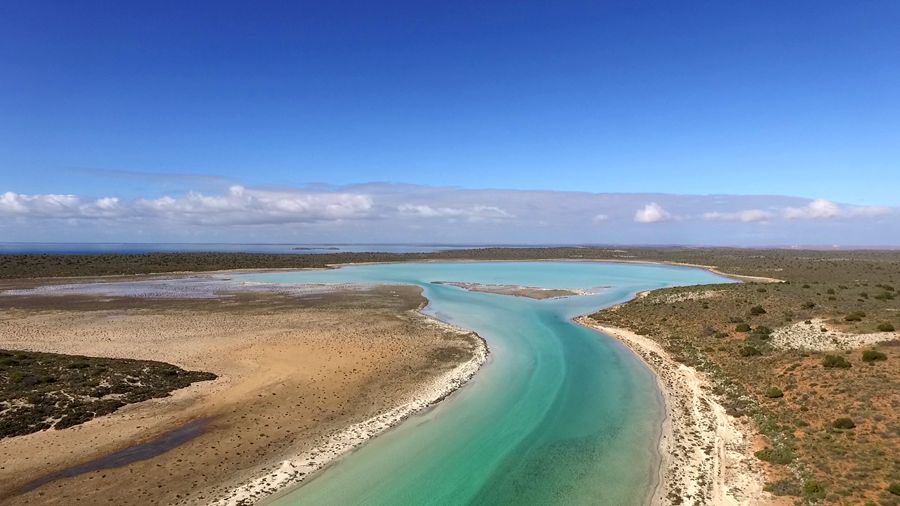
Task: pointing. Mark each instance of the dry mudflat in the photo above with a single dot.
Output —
(292, 371)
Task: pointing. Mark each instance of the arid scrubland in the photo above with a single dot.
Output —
(813, 361)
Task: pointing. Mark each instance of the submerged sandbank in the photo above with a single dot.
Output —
(532, 292)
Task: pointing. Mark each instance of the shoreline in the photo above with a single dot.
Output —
(178, 274)
(705, 456)
(264, 348)
(286, 475)
(281, 476)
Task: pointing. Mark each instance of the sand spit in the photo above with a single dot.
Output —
(706, 454)
(532, 292)
(817, 335)
(294, 470)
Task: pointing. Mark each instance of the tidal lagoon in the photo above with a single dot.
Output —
(560, 414)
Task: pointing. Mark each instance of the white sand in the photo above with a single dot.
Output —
(706, 454)
(810, 336)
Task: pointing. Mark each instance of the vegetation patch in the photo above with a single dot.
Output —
(873, 356)
(843, 424)
(811, 459)
(835, 361)
(780, 456)
(774, 393)
(46, 390)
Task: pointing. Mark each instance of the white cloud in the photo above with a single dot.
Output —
(746, 216)
(868, 211)
(245, 206)
(380, 212)
(238, 206)
(822, 209)
(58, 206)
(817, 209)
(651, 213)
(472, 213)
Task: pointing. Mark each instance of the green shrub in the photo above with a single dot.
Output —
(783, 488)
(885, 327)
(835, 361)
(813, 490)
(855, 316)
(894, 488)
(843, 424)
(783, 456)
(749, 351)
(757, 310)
(742, 327)
(774, 393)
(873, 356)
(808, 305)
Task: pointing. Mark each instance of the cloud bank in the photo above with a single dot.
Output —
(408, 213)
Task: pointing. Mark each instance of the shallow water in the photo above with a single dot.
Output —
(559, 415)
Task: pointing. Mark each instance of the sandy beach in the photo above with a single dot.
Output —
(706, 454)
(302, 378)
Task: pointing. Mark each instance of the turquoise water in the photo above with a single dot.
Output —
(559, 415)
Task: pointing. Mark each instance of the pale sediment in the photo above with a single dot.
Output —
(295, 368)
(292, 471)
(705, 453)
(532, 292)
(818, 335)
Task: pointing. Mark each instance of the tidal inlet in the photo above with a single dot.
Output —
(559, 414)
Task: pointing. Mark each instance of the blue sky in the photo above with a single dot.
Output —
(146, 100)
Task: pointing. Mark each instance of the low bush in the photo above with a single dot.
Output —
(783, 488)
(782, 456)
(742, 327)
(835, 361)
(813, 490)
(873, 356)
(885, 327)
(894, 488)
(757, 310)
(750, 351)
(855, 316)
(774, 393)
(843, 424)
